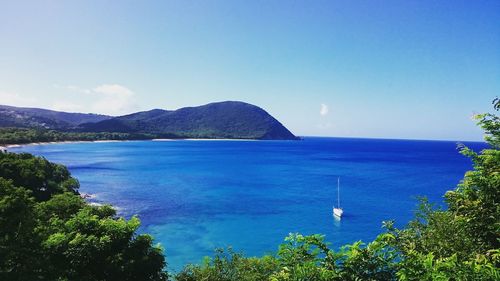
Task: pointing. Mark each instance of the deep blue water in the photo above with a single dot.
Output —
(194, 196)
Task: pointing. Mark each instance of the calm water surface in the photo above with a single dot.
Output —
(194, 196)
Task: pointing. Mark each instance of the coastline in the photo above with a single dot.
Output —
(191, 139)
(5, 147)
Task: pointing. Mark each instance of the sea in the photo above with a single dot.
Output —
(195, 196)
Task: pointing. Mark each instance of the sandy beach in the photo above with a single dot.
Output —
(190, 139)
(6, 147)
(221, 139)
(58, 142)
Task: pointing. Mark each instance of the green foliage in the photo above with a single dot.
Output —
(62, 206)
(490, 123)
(462, 242)
(99, 247)
(36, 174)
(55, 235)
(301, 258)
(23, 135)
(229, 266)
(376, 261)
(478, 195)
(18, 240)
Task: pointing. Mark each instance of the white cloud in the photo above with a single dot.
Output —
(114, 90)
(114, 99)
(14, 99)
(111, 99)
(323, 109)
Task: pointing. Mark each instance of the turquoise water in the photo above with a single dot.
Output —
(194, 196)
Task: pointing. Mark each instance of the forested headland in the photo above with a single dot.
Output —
(219, 120)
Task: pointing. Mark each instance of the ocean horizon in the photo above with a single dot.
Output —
(195, 196)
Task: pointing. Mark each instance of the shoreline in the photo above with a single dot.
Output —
(191, 139)
(5, 147)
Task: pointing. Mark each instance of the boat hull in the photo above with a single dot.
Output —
(338, 212)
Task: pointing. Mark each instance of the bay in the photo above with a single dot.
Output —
(195, 196)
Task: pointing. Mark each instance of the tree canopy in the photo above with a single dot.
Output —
(30, 135)
(47, 232)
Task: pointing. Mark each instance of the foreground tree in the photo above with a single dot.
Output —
(47, 232)
(462, 242)
(19, 242)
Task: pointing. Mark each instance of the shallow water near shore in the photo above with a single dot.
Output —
(195, 196)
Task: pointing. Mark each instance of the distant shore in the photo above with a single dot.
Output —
(191, 139)
(7, 146)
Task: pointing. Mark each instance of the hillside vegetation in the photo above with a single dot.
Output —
(232, 120)
(24, 135)
(216, 120)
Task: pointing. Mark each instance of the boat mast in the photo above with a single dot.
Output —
(338, 192)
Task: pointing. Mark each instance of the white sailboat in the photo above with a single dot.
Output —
(338, 211)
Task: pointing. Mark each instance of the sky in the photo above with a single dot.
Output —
(376, 69)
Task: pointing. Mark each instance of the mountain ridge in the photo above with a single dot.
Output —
(227, 119)
(31, 117)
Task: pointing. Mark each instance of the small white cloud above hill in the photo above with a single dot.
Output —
(113, 90)
(323, 109)
(114, 99)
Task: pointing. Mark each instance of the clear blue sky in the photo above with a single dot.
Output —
(390, 69)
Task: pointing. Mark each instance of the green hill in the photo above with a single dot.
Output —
(230, 119)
